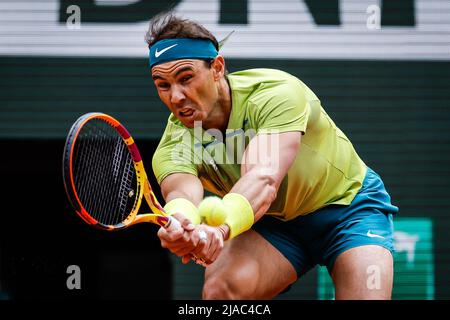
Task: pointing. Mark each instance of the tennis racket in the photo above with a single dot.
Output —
(105, 179)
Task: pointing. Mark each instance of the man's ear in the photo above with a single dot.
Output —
(218, 66)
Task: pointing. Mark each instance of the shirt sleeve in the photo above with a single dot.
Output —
(174, 153)
(281, 107)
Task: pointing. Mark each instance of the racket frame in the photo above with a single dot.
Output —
(143, 187)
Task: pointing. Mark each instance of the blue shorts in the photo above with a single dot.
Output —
(319, 237)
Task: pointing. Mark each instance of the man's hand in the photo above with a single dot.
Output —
(202, 241)
(209, 243)
(179, 242)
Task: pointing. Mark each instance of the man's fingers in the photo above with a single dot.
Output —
(208, 249)
(160, 232)
(179, 243)
(185, 222)
(171, 235)
(201, 247)
(182, 251)
(198, 235)
(202, 243)
(209, 253)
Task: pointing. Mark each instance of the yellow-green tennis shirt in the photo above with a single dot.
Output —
(327, 169)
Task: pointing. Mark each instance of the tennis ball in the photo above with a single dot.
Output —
(212, 211)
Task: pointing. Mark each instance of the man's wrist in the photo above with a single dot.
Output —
(185, 207)
(225, 231)
(240, 215)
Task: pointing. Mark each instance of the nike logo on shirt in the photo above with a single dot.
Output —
(208, 143)
(158, 53)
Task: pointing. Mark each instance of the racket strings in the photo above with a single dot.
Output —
(104, 173)
(87, 176)
(106, 209)
(93, 146)
(80, 157)
(118, 189)
(125, 192)
(106, 203)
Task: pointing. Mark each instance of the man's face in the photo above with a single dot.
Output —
(188, 88)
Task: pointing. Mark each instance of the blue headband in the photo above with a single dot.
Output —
(181, 48)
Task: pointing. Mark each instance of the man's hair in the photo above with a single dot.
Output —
(170, 26)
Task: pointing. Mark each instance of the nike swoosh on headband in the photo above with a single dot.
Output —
(166, 50)
(158, 53)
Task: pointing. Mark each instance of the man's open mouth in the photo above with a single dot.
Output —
(187, 113)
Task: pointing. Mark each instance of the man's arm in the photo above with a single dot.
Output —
(182, 185)
(265, 163)
(261, 179)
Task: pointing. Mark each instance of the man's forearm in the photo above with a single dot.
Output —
(181, 194)
(182, 185)
(259, 189)
(260, 181)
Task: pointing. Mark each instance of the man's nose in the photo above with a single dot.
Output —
(177, 96)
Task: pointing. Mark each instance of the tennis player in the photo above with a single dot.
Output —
(297, 196)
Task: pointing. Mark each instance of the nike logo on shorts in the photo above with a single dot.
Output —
(371, 235)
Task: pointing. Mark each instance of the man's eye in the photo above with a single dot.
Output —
(185, 78)
(163, 85)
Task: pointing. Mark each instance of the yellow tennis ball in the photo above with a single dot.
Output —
(212, 211)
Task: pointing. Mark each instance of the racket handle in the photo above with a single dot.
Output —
(174, 224)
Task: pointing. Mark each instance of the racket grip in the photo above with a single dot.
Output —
(174, 224)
